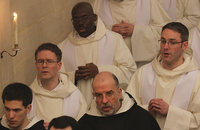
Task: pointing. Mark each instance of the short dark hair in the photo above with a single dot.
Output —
(178, 27)
(86, 5)
(51, 47)
(63, 122)
(17, 91)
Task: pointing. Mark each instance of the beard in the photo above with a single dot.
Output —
(111, 109)
(106, 112)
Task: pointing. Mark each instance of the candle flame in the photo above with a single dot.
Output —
(15, 15)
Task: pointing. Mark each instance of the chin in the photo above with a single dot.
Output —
(83, 35)
(108, 113)
(45, 77)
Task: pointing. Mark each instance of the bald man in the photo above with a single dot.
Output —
(112, 108)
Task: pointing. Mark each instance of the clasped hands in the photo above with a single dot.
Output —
(86, 72)
(125, 29)
(158, 105)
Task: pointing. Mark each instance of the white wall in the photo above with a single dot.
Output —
(39, 21)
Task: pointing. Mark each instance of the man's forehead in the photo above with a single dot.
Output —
(13, 104)
(104, 87)
(170, 34)
(81, 13)
(46, 52)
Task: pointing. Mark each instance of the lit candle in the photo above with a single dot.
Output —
(15, 28)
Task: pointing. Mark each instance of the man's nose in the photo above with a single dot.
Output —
(80, 21)
(44, 63)
(104, 100)
(11, 114)
(166, 46)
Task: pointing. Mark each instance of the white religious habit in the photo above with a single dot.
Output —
(185, 11)
(65, 99)
(147, 16)
(195, 42)
(104, 48)
(180, 88)
(188, 13)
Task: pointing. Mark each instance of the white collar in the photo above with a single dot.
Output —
(56, 88)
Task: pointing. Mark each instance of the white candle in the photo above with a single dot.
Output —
(15, 28)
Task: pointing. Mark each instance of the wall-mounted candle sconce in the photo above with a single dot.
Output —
(16, 48)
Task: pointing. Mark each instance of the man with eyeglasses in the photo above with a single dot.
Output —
(188, 13)
(113, 109)
(54, 94)
(91, 48)
(169, 86)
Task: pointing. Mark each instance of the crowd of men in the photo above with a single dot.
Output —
(127, 64)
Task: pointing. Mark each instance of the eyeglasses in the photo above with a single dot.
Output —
(48, 62)
(83, 19)
(169, 42)
(109, 95)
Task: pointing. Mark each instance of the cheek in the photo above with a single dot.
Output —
(54, 68)
(21, 115)
(38, 68)
(75, 26)
(7, 114)
(115, 101)
(99, 104)
(176, 50)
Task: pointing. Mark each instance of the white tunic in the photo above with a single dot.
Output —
(114, 57)
(194, 41)
(184, 11)
(188, 13)
(144, 41)
(166, 82)
(65, 100)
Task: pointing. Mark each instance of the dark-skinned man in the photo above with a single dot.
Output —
(90, 48)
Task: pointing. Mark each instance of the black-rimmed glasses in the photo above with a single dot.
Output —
(48, 62)
(83, 19)
(171, 43)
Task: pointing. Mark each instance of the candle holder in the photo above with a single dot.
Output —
(16, 49)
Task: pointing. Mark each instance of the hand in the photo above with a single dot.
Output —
(116, 28)
(86, 72)
(153, 104)
(124, 29)
(46, 125)
(164, 107)
(158, 105)
(81, 73)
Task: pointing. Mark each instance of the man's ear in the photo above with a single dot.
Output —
(28, 108)
(93, 94)
(59, 65)
(120, 91)
(95, 17)
(185, 45)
